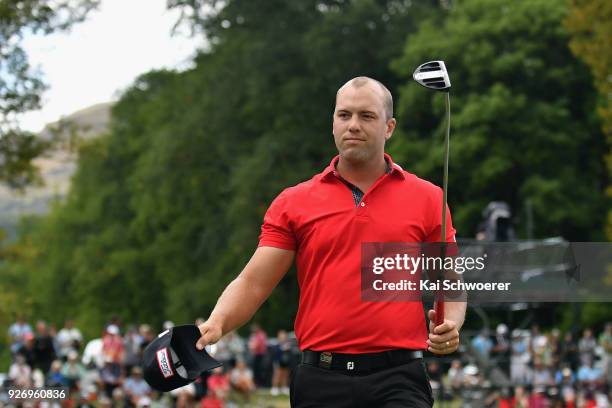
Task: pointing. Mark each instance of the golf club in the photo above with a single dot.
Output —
(433, 75)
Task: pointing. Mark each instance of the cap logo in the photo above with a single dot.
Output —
(164, 364)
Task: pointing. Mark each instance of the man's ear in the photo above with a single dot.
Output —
(390, 128)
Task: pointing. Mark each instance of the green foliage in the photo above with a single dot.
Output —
(590, 25)
(523, 125)
(21, 87)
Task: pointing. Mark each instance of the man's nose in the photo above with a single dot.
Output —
(354, 124)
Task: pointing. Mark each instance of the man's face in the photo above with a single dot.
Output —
(360, 126)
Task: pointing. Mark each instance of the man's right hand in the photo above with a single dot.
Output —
(211, 333)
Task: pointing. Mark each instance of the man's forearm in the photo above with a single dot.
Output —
(455, 311)
(245, 294)
(237, 304)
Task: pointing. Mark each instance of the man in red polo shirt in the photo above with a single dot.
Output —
(355, 353)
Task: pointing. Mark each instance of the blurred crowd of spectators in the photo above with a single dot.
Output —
(106, 371)
(529, 368)
(537, 369)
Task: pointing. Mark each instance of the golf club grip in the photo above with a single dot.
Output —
(439, 309)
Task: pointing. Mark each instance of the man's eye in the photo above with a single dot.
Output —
(343, 115)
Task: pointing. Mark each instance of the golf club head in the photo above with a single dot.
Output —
(433, 75)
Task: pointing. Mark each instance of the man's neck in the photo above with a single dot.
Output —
(363, 175)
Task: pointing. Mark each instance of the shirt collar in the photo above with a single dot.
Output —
(330, 170)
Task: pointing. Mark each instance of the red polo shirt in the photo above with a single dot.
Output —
(319, 220)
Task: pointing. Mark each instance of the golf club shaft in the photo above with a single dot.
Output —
(439, 307)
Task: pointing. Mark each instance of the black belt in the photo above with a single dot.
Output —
(360, 362)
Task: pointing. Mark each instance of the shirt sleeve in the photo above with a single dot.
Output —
(277, 230)
(436, 228)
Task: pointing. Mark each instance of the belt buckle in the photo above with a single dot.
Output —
(325, 360)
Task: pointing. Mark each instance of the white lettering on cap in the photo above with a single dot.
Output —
(164, 363)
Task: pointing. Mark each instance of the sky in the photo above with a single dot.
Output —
(98, 58)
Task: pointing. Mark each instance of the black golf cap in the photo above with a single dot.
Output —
(171, 360)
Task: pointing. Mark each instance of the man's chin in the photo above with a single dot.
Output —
(354, 156)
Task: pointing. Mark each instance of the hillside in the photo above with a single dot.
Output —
(56, 168)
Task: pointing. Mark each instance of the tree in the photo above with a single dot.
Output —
(20, 87)
(590, 26)
(523, 125)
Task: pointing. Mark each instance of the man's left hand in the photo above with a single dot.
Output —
(444, 338)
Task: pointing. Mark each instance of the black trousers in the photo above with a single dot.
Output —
(406, 385)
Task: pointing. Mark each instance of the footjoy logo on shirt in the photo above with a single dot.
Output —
(164, 365)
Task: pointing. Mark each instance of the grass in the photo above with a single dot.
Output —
(261, 399)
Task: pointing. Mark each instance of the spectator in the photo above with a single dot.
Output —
(147, 336)
(131, 346)
(222, 352)
(482, 343)
(605, 339)
(519, 360)
(184, 395)
(20, 373)
(105, 402)
(471, 376)
(589, 376)
(218, 385)
(73, 370)
(92, 355)
(541, 374)
(540, 347)
(435, 377)
(110, 377)
(144, 402)
(55, 377)
(44, 351)
(281, 358)
(586, 346)
(69, 338)
(241, 379)
(258, 349)
(113, 352)
(27, 349)
(501, 348)
(565, 376)
(211, 401)
(119, 400)
(521, 398)
(504, 399)
(569, 351)
(237, 347)
(112, 345)
(555, 346)
(605, 344)
(537, 399)
(135, 387)
(90, 382)
(455, 376)
(17, 332)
